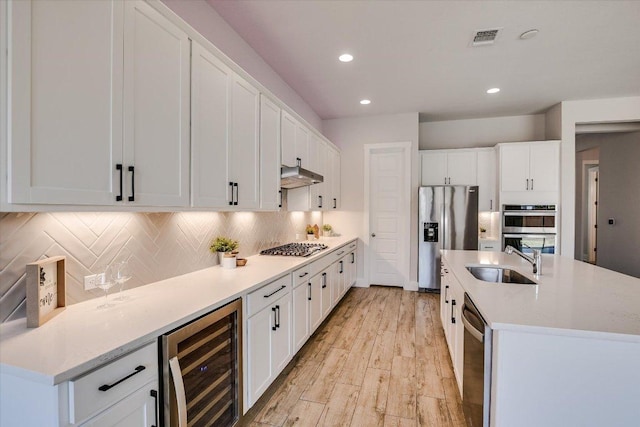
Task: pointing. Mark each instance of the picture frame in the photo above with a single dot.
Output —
(46, 290)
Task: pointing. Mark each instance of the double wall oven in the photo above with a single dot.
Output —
(528, 227)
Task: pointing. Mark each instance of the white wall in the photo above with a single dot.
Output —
(204, 19)
(589, 111)
(481, 132)
(351, 134)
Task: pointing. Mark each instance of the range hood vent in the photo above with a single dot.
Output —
(485, 37)
(296, 176)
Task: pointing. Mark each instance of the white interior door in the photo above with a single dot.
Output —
(389, 213)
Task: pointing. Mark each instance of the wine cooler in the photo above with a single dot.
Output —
(202, 370)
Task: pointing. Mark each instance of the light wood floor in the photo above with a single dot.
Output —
(380, 359)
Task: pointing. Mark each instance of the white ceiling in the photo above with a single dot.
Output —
(415, 56)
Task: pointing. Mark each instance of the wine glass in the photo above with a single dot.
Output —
(104, 281)
(121, 273)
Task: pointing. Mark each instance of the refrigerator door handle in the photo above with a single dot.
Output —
(176, 375)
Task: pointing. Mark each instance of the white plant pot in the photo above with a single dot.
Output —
(229, 261)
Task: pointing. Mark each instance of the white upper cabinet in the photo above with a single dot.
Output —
(225, 136)
(288, 135)
(156, 108)
(487, 197)
(302, 146)
(269, 155)
(529, 172)
(99, 105)
(454, 167)
(244, 148)
(210, 102)
(333, 158)
(65, 98)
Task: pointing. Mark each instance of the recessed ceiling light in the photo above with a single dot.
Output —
(493, 90)
(529, 34)
(365, 102)
(345, 57)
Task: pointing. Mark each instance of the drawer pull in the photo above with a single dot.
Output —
(276, 291)
(106, 387)
(302, 275)
(339, 253)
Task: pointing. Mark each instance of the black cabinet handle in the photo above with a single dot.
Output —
(276, 291)
(106, 387)
(319, 201)
(298, 162)
(231, 187)
(302, 275)
(339, 253)
(445, 294)
(531, 184)
(453, 304)
(353, 258)
(132, 197)
(154, 394)
(280, 193)
(309, 297)
(235, 185)
(527, 183)
(278, 316)
(324, 280)
(119, 168)
(341, 267)
(275, 322)
(335, 203)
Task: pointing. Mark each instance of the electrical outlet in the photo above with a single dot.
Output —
(90, 282)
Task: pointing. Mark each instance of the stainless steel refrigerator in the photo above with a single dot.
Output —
(448, 220)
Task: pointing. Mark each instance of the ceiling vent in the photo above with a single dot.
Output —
(485, 37)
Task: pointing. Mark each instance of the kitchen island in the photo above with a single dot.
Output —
(566, 351)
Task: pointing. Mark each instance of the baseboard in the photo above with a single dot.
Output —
(411, 286)
(360, 283)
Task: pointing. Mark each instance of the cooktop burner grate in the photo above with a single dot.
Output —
(295, 249)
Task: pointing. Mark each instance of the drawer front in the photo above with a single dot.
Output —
(264, 296)
(302, 275)
(99, 389)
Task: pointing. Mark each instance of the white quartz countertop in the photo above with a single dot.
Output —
(570, 297)
(82, 337)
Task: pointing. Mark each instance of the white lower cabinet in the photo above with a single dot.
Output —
(301, 295)
(325, 289)
(268, 336)
(451, 299)
(122, 393)
(137, 410)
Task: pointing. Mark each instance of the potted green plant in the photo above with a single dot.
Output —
(327, 230)
(223, 245)
(310, 232)
(483, 232)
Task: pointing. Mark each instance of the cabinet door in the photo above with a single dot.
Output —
(325, 285)
(434, 167)
(462, 167)
(458, 361)
(487, 180)
(260, 338)
(321, 200)
(544, 166)
(281, 344)
(514, 167)
(300, 315)
(210, 102)
(156, 108)
(351, 267)
(288, 141)
(302, 146)
(244, 149)
(315, 303)
(334, 160)
(269, 155)
(136, 410)
(65, 103)
(334, 277)
(314, 166)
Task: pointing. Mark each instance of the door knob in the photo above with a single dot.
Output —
(373, 234)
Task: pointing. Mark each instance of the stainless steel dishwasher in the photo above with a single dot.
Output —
(476, 377)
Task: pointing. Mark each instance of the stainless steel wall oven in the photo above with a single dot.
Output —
(202, 370)
(528, 227)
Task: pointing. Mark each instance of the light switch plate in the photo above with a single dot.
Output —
(90, 282)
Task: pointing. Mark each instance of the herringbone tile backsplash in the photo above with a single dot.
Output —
(157, 245)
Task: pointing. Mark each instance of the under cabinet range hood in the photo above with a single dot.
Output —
(296, 176)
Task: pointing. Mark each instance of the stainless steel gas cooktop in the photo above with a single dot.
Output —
(295, 249)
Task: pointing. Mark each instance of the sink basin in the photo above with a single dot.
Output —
(499, 275)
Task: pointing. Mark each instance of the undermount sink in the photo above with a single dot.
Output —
(499, 275)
